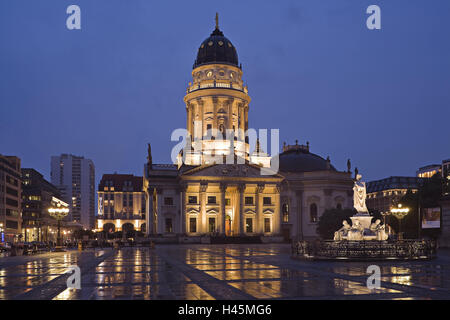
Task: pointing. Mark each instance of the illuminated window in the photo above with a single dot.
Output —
(212, 224)
(192, 225)
(285, 211)
(211, 199)
(249, 225)
(267, 225)
(192, 199)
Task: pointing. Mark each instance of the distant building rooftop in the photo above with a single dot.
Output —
(394, 182)
(428, 171)
(121, 182)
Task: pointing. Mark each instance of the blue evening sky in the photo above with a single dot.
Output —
(380, 98)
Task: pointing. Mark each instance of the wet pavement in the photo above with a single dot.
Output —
(216, 272)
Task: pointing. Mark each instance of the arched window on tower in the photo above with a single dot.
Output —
(313, 212)
(339, 206)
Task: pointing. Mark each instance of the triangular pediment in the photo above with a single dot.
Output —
(192, 211)
(228, 170)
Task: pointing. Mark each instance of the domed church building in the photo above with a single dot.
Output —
(202, 198)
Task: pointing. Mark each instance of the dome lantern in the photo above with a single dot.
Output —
(216, 49)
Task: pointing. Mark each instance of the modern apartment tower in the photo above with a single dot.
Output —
(10, 198)
(75, 178)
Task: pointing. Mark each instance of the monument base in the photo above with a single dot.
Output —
(365, 250)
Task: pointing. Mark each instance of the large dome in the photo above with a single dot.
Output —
(216, 49)
(303, 161)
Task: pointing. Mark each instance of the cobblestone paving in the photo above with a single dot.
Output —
(215, 272)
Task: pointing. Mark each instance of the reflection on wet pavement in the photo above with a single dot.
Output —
(216, 272)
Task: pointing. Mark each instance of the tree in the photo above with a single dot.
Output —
(79, 233)
(331, 220)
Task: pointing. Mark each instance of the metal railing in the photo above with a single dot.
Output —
(366, 250)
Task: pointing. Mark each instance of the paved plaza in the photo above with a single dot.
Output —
(215, 272)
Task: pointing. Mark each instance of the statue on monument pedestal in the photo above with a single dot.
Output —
(356, 232)
(343, 231)
(379, 230)
(359, 195)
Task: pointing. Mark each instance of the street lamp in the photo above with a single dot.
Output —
(400, 213)
(59, 211)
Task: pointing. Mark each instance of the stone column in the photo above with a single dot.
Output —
(148, 212)
(241, 190)
(223, 188)
(159, 216)
(277, 213)
(201, 228)
(259, 220)
(230, 113)
(183, 209)
(188, 118)
(242, 121)
(246, 118)
(215, 125)
(202, 117)
(299, 222)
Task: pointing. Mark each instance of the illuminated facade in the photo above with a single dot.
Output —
(217, 104)
(38, 195)
(429, 171)
(10, 198)
(384, 194)
(121, 203)
(199, 196)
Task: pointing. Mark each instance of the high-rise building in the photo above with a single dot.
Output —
(74, 176)
(10, 198)
(121, 203)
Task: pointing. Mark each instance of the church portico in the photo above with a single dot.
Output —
(230, 206)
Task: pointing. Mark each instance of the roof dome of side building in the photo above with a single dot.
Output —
(297, 158)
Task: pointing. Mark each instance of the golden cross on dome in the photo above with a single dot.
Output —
(217, 20)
